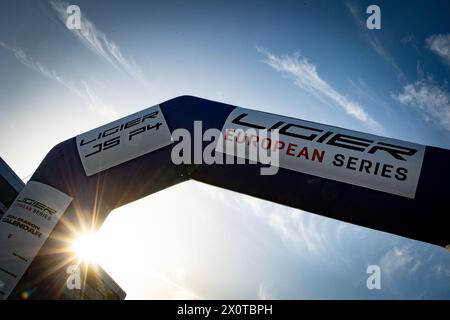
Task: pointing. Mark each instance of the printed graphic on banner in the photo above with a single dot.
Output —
(24, 228)
(360, 159)
(123, 140)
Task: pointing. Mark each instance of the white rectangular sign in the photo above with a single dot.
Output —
(356, 158)
(123, 140)
(24, 228)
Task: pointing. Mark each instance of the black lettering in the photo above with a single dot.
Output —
(82, 143)
(276, 125)
(349, 142)
(135, 132)
(111, 143)
(393, 150)
(99, 146)
(28, 201)
(110, 131)
(401, 174)
(132, 123)
(338, 160)
(351, 161)
(39, 205)
(296, 135)
(155, 126)
(365, 164)
(377, 167)
(324, 137)
(386, 169)
(238, 119)
(150, 116)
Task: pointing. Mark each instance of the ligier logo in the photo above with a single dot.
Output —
(331, 138)
(365, 160)
(110, 138)
(36, 207)
(318, 135)
(123, 140)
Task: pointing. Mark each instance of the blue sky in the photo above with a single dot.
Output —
(311, 60)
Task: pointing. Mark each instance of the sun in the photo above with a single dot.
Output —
(86, 247)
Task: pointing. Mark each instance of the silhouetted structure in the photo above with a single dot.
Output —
(96, 284)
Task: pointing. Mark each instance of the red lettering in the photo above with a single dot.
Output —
(319, 155)
(290, 148)
(303, 153)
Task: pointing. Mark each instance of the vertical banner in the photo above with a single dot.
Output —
(24, 228)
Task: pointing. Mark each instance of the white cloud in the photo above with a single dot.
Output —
(96, 41)
(299, 231)
(370, 36)
(441, 270)
(29, 62)
(412, 261)
(440, 45)
(96, 104)
(432, 100)
(306, 77)
(263, 292)
(86, 93)
(399, 262)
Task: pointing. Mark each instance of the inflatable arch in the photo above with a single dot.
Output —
(375, 182)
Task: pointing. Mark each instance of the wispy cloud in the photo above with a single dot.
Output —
(306, 77)
(364, 91)
(440, 45)
(371, 37)
(300, 232)
(96, 104)
(432, 100)
(29, 62)
(301, 229)
(86, 93)
(413, 270)
(410, 40)
(400, 261)
(441, 270)
(263, 292)
(96, 41)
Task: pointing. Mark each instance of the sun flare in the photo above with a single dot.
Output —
(85, 247)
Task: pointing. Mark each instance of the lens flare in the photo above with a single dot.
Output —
(86, 247)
